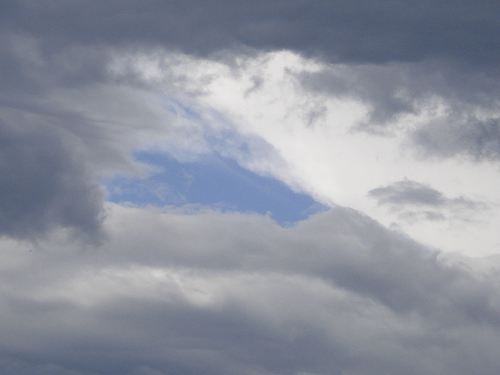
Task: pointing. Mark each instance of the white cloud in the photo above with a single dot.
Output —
(320, 119)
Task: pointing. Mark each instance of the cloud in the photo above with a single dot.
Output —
(43, 184)
(336, 99)
(408, 192)
(75, 70)
(235, 293)
(362, 32)
(48, 170)
(400, 93)
(312, 128)
(60, 135)
(405, 196)
(473, 139)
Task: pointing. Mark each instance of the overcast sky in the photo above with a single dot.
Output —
(249, 187)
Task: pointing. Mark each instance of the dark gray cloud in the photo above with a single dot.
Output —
(45, 179)
(461, 104)
(220, 293)
(188, 293)
(43, 183)
(406, 196)
(63, 125)
(363, 31)
(46, 172)
(470, 138)
(391, 91)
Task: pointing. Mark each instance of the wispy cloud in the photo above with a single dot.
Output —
(414, 201)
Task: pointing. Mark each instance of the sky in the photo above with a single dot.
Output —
(249, 187)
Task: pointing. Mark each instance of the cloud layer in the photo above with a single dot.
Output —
(362, 32)
(233, 293)
(385, 112)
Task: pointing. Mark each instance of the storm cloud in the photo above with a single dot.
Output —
(383, 109)
(362, 32)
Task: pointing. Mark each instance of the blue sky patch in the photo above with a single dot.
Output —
(213, 180)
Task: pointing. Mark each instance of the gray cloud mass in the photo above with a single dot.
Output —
(364, 31)
(239, 294)
(43, 184)
(473, 139)
(143, 292)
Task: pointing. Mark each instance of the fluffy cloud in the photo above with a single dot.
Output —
(235, 293)
(61, 130)
(344, 101)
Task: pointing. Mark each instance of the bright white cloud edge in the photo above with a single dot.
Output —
(316, 149)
